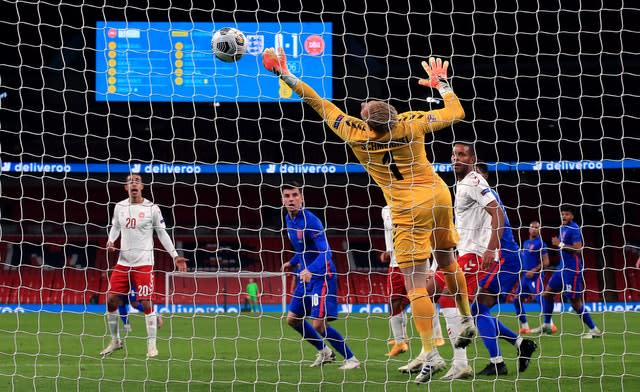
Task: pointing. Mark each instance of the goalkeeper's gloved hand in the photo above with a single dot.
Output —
(437, 71)
(276, 63)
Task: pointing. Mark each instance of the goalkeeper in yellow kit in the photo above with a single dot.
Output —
(391, 148)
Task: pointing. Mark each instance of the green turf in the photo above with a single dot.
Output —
(59, 352)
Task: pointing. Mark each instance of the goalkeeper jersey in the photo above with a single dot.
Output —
(397, 160)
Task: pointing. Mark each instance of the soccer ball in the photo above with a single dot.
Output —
(228, 44)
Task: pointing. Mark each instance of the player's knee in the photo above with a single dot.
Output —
(293, 321)
(319, 326)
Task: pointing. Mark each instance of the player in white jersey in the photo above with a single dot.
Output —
(398, 302)
(485, 232)
(134, 220)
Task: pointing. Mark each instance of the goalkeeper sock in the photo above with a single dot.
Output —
(309, 334)
(152, 328)
(487, 327)
(337, 341)
(547, 307)
(124, 314)
(437, 329)
(423, 313)
(457, 285)
(454, 326)
(398, 326)
(586, 317)
(112, 323)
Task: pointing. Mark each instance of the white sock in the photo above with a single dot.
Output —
(437, 330)
(524, 325)
(519, 340)
(112, 323)
(454, 327)
(398, 326)
(496, 360)
(152, 328)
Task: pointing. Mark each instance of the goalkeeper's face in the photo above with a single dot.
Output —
(292, 200)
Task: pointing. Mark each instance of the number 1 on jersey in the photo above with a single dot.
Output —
(387, 159)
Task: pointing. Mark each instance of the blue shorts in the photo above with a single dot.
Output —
(316, 299)
(532, 286)
(570, 283)
(502, 276)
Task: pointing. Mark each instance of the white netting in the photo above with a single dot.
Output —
(93, 90)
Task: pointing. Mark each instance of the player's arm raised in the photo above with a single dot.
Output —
(277, 63)
(452, 112)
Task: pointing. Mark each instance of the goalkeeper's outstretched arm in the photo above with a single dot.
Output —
(277, 63)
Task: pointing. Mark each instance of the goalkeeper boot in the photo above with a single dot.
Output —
(467, 333)
(397, 349)
(324, 356)
(527, 347)
(115, 345)
(351, 363)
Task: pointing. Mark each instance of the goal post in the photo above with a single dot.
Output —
(223, 291)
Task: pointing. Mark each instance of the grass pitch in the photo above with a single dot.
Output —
(251, 352)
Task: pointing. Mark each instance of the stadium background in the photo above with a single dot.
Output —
(530, 93)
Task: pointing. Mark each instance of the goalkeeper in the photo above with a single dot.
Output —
(391, 148)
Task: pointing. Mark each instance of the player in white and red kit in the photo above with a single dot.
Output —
(134, 220)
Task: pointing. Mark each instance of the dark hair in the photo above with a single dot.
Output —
(291, 185)
(471, 145)
(482, 168)
(568, 208)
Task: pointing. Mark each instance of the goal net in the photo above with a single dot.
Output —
(224, 292)
(93, 91)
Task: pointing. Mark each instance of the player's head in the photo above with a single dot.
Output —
(463, 158)
(380, 116)
(534, 229)
(483, 170)
(134, 186)
(292, 198)
(567, 213)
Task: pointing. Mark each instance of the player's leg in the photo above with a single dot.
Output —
(459, 365)
(144, 284)
(398, 301)
(460, 369)
(298, 308)
(118, 286)
(522, 292)
(434, 288)
(444, 239)
(499, 281)
(324, 308)
(575, 293)
(123, 310)
(554, 286)
(487, 323)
